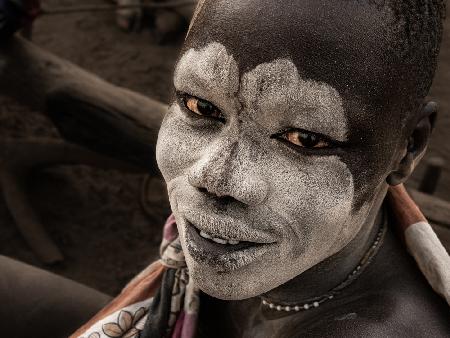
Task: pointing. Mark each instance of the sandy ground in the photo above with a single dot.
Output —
(94, 215)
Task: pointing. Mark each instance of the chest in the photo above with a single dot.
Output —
(249, 320)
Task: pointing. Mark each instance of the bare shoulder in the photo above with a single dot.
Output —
(391, 299)
(381, 315)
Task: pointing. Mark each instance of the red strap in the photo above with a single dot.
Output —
(405, 210)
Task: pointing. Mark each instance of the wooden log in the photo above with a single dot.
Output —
(432, 175)
(86, 109)
(434, 209)
(437, 212)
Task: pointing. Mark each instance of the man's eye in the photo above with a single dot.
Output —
(202, 107)
(305, 140)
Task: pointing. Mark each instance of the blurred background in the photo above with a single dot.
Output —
(108, 223)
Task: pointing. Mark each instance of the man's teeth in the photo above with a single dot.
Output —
(218, 240)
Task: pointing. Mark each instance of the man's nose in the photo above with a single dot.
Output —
(227, 170)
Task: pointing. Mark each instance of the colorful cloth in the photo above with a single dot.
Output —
(162, 300)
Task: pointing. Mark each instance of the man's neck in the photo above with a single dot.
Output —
(314, 282)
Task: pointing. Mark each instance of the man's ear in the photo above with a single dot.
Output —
(417, 144)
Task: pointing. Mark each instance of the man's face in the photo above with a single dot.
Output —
(273, 158)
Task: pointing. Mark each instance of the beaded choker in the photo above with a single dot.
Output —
(317, 301)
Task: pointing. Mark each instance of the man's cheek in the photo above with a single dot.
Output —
(178, 147)
(315, 199)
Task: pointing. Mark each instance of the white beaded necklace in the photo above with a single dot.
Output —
(317, 301)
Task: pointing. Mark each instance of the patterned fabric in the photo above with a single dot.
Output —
(126, 323)
(182, 311)
(162, 300)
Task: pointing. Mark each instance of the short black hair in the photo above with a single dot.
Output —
(419, 24)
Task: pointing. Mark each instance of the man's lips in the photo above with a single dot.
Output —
(222, 257)
(220, 227)
(216, 243)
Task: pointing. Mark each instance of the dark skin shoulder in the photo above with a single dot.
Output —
(390, 299)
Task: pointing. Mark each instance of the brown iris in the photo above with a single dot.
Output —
(305, 140)
(202, 107)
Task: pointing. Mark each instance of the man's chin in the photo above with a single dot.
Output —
(231, 285)
(226, 291)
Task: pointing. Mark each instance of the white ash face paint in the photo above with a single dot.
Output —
(211, 74)
(275, 92)
(302, 203)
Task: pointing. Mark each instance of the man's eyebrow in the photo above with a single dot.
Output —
(329, 120)
(208, 71)
(305, 104)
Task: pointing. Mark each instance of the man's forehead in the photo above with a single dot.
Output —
(333, 41)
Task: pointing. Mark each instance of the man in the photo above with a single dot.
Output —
(290, 123)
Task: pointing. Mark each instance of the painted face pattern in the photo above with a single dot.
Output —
(288, 207)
